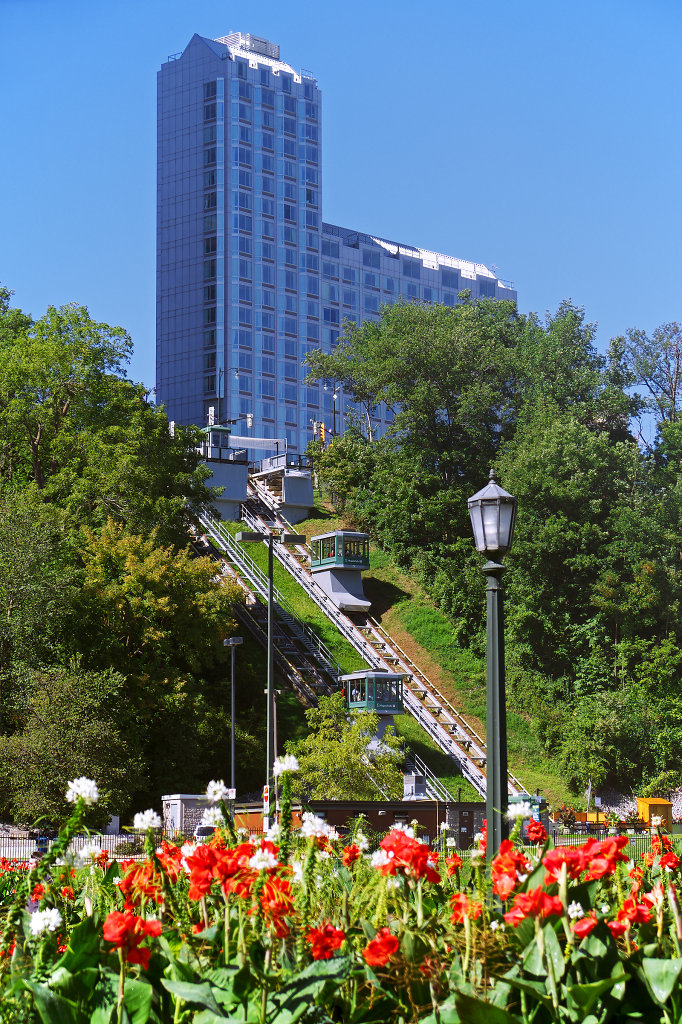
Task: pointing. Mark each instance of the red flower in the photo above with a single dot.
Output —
(670, 861)
(635, 912)
(534, 903)
(277, 903)
(201, 864)
(325, 940)
(454, 862)
(140, 882)
(407, 856)
(102, 859)
(584, 925)
(349, 855)
(126, 932)
(67, 892)
(535, 832)
(604, 856)
(379, 951)
(506, 868)
(574, 857)
(38, 892)
(463, 907)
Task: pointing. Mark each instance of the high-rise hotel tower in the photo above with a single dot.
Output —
(249, 277)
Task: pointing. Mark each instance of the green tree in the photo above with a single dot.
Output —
(73, 724)
(342, 760)
(71, 423)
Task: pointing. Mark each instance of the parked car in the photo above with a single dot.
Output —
(202, 833)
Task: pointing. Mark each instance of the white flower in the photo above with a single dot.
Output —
(656, 821)
(212, 816)
(263, 860)
(402, 827)
(604, 908)
(117, 880)
(521, 878)
(323, 854)
(273, 832)
(361, 841)
(317, 827)
(297, 871)
(82, 788)
(575, 910)
(393, 883)
(187, 849)
(86, 853)
(518, 811)
(443, 826)
(495, 925)
(146, 819)
(216, 791)
(288, 763)
(242, 832)
(451, 843)
(45, 921)
(380, 858)
(478, 837)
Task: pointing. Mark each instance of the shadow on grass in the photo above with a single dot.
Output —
(383, 595)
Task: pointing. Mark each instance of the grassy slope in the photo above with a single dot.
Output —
(412, 619)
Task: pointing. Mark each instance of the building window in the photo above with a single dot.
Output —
(245, 113)
(209, 179)
(210, 316)
(245, 134)
(449, 299)
(210, 90)
(289, 212)
(210, 245)
(268, 163)
(370, 280)
(311, 111)
(241, 69)
(244, 91)
(267, 97)
(242, 155)
(210, 200)
(210, 111)
(486, 288)
(268, 140)
(245, 179)
(209, 384)
(313, 332)
(245, 269)
(245, 316)
(209, 156)
(210, 133)
(450, 279)
(330, 316)
(268, 251)
(411, 268)
(371, 259)
(209, 361)
(289, 169)
(289, 103)
(245, 293)
(268, 345)
(245, 386)
(371, 303)
(243, 222)
(268, 365)
(267, 120)
(269, 299)
(209, 339)
(268, 185)
(245, 245)
(428, 294)
(209, 293)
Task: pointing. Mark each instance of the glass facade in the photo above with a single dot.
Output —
(249, 278)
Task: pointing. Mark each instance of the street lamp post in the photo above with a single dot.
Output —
(493, 516)
(269, 539)
(233, 642)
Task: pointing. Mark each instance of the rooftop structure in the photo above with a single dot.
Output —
(249, 277)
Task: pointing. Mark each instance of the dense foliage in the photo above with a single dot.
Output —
(307, 926)
(111, 655)
(595, 575)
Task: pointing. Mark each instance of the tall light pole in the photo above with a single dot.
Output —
(493, 516)
(233, 642)
(269, 539)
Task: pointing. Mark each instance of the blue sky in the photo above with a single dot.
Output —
(539, 136)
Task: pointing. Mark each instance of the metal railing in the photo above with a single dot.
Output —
(259, 581)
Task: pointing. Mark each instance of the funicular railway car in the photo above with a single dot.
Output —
(337, 561)
(374, 691)
(342, 548)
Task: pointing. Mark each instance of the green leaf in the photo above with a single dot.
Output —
(199, 994)
(553, 951)
(52, 1008)
(137, 998)
(476, 1011)
(83, 947)
(536, 989)
(662, 976)
(585, 996)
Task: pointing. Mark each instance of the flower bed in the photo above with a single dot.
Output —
(304, 927)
